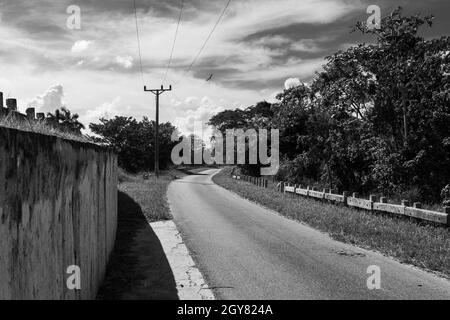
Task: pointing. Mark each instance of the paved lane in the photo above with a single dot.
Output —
(249, 252)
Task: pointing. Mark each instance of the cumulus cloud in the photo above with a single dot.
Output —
(292, 83)
(81, 46)
(125, 61)
(195, 109)
(272, 41)
(107, 110)
(50, 100)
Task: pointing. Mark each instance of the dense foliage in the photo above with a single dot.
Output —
(134, 142)
(65, 120)
(376, 119)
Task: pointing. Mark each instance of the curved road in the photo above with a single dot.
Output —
(248, 252)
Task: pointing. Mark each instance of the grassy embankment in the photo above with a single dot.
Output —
(41, 127)
(422, 245)
(149, 194)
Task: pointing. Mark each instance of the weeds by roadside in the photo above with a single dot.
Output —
(149, 194)
(41, 127)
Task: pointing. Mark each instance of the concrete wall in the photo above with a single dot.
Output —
(58, 207)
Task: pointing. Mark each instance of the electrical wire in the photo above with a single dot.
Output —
(206, 41)
(174, 41)
(139, 42)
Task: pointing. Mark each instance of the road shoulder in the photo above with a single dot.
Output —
(189, 281)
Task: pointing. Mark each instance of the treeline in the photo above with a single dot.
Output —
(376, 119)
(134, 142)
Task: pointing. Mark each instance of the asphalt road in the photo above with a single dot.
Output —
(248, 252)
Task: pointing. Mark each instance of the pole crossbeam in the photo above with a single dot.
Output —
(157, 93)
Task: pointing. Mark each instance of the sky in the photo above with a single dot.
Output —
(259, 47)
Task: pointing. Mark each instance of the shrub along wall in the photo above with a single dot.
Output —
(58, 208)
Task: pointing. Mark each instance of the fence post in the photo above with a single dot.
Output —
(373, 199)
(346, 194)
(1, 99)
(11, 104)
(31, 113)
(447, 211)
(266, 184)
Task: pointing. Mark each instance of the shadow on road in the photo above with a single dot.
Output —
(138, 268)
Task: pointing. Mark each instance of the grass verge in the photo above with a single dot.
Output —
(422, 245)
(149, 194)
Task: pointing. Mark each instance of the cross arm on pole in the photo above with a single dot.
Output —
(158, 91)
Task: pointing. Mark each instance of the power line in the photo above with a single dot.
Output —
(174, 41)
(139, 41)
(206, 41)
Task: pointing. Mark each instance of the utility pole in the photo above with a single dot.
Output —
(157, 93)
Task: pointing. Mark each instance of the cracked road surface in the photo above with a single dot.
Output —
(248, 252)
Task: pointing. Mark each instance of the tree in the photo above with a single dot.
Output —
(254, 117)
(65, 120)
(376, 119)
(134, 141)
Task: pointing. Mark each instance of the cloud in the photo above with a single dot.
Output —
(195, 109)
(81, 46)
(50, 100)
(5, 85)
(107, 110)
(291, 83)
(306, 45)
(125, 62)
(257, 46)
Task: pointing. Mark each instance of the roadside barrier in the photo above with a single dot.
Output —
(373, 204)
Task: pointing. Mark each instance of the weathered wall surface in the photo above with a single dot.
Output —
(58, 207)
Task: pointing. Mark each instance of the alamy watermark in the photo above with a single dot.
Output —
(74, 279)
(74, 19)
(374, 280)
(374, 20)
(238, 147)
